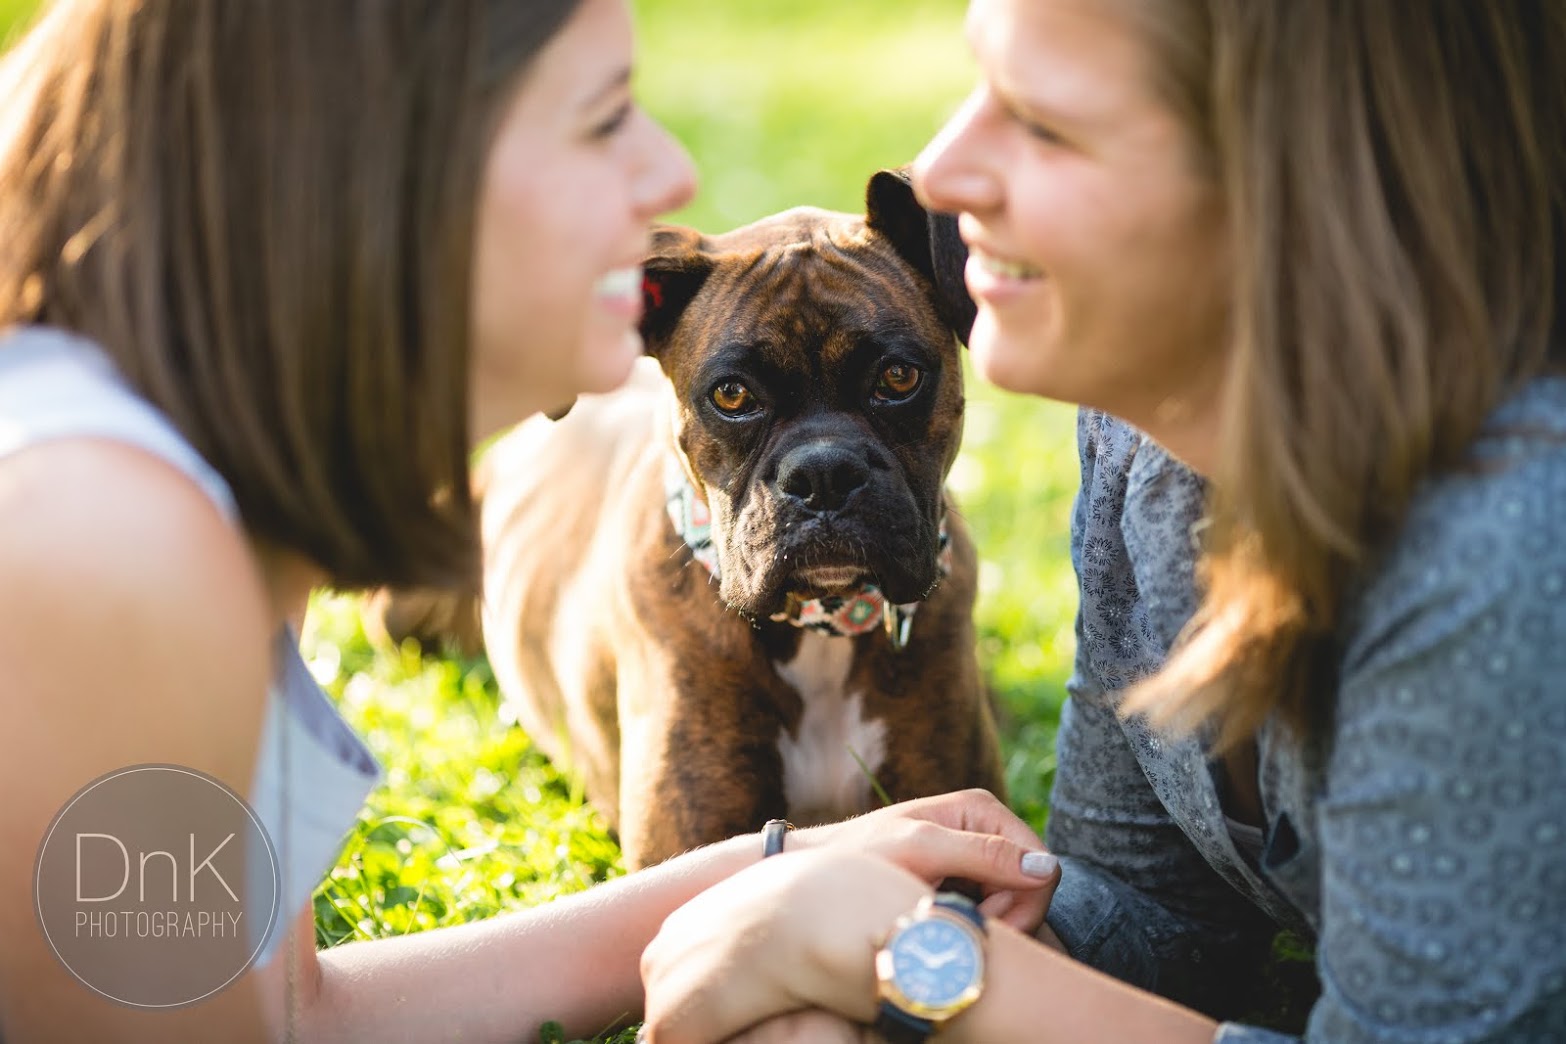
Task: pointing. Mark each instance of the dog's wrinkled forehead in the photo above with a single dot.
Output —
(813, 281)
(808, 283)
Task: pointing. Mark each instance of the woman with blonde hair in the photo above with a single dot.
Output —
(268, 270)
(1303, 265)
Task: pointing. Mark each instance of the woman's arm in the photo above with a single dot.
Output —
(1441, 827)
(573, 960)
(800, 932)
(576, 959)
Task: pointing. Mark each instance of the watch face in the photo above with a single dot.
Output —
(934, 962)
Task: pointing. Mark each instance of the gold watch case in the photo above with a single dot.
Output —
(887, 988)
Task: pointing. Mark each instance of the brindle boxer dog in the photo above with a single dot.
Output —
(736, 590)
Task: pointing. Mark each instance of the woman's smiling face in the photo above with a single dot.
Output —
(1098, 244)
(576, 174)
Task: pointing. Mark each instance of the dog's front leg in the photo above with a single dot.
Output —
(694, 770)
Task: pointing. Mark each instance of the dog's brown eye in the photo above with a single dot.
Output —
(898, 381)
(732, 397)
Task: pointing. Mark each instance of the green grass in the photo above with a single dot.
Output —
(469, 821)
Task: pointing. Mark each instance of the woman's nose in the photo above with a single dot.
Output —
(954, 172)
(668, 177)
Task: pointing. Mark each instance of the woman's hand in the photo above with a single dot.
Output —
(791, 933)
(799, 931)
(969, 834)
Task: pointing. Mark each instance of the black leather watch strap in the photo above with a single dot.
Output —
(896, 1026)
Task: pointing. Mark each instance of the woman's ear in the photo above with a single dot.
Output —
(927, 240)
(676, 266)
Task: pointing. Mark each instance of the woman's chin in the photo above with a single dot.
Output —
(1006, 363)
(610, 366)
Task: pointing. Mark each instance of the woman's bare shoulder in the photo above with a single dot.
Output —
(128, 595)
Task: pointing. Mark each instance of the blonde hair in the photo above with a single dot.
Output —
(1394, 175)
(264, 211)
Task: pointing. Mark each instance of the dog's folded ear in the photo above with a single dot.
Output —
(927, 240)
(676, 266)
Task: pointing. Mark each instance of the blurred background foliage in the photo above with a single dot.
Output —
(780, 105)
(13, 17)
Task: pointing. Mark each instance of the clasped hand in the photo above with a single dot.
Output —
(798, 932)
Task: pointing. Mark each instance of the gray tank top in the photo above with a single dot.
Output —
(312, 772)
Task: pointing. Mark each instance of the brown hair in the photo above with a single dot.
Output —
(1394, 175)
(264, 212)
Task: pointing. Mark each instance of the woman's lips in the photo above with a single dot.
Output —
(620, 291)
(994, 279)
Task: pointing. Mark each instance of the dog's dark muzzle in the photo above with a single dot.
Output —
(822, 475)
(844, 517)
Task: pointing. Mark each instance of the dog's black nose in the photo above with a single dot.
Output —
(823, 475)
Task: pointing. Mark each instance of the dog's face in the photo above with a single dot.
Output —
(819, 391)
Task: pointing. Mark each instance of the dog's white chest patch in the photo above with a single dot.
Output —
(822, 781)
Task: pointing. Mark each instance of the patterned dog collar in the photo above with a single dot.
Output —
(842, 615)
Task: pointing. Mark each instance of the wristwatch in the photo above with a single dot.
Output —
(930, 969)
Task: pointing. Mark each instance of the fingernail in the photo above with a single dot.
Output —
(1039, 864)
(641, 1035)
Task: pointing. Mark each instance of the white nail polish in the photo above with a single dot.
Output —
(1039, 864)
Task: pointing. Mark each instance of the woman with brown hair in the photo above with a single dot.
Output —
(1315, 253)
(268, 270)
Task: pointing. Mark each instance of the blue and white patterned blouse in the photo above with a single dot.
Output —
(1420, 843)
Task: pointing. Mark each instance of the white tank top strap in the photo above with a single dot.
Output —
(312, 772)
(56, 385)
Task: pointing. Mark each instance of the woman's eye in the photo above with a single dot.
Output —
(1042, 133)
(897, 382)
(1035, 128)
(733, 398)
(612, 125)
